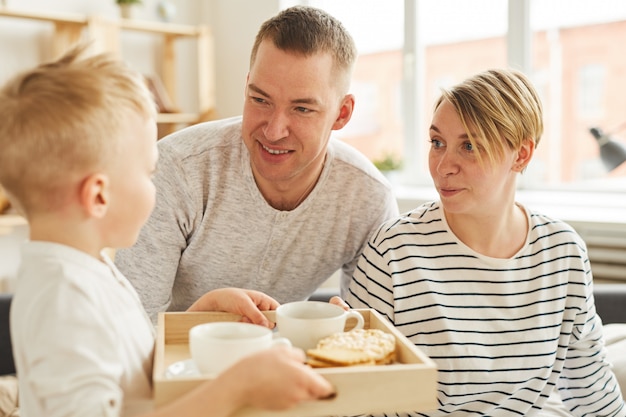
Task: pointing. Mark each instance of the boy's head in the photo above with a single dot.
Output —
(63, 121)
(307, 31)
(501, 107)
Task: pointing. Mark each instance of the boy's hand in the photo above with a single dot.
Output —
(277, 379)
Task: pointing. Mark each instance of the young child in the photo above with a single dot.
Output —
(78, 150)
(499, 296)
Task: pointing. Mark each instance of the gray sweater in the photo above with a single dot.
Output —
(212, 228)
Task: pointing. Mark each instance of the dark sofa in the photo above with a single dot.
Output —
(610, 304)
(6, 353)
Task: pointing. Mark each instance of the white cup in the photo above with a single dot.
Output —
(306, 322)
(216, 346)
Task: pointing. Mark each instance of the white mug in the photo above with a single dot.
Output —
(304, 323)
(217, 346)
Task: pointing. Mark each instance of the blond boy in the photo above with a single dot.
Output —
(78, 140)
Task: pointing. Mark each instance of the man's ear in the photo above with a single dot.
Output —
(345, 112)
(524, 155)
(94, 195)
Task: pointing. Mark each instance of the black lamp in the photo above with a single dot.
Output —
(612, 152)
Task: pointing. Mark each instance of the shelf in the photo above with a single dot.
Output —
(9, 222)
(74, 18)
(68, 27)
(178, 118)
(160, 28)
(105, 35)
(164, 28)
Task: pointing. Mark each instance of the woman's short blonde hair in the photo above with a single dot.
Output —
(499, 108)
(61, 120)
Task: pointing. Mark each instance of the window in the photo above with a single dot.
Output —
(569, 48)
(577, 61)
(591, 88)
(376, 128)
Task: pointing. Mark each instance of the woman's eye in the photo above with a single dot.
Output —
(468, 146)
(436, 143)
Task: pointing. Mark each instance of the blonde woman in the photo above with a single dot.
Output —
(498, 295)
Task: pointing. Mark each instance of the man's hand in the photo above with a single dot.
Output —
(247, 303)
(338, 301)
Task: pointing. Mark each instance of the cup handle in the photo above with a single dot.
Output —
(360, 322)
(278, 341)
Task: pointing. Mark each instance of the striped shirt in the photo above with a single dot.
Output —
(503, 332)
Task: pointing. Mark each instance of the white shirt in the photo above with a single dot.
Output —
(83, 344)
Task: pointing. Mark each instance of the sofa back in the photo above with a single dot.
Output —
(7, 365)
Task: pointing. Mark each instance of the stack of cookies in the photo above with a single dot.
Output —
(356, 347)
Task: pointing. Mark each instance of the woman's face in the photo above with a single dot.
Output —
(466, 186)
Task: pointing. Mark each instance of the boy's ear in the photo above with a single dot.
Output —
(94, 195)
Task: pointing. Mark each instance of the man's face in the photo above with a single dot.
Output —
(292, 103)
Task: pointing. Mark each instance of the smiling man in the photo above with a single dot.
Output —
(268, 201)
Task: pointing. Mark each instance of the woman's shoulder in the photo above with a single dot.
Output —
(546, 227)
(425, 213)
(424, 219)
(542, 221)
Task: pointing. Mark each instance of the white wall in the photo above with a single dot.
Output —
(234, 24)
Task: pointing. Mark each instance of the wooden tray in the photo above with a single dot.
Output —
(407, 385)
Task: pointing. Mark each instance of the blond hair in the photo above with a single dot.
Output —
(499, 108)
(60, 121)
(307, 31)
